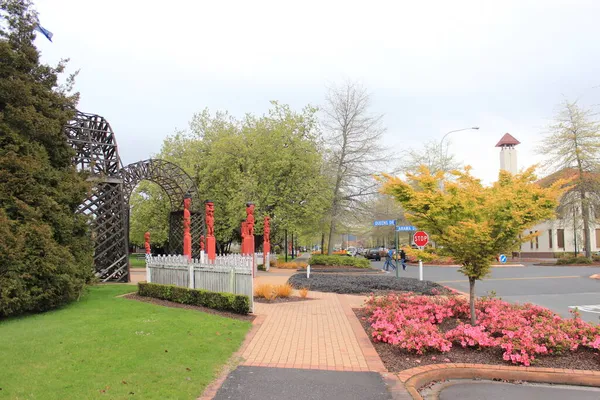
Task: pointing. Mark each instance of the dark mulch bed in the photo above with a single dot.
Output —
(332, 269)
(363, 284)
(165, 303)
(396, 359)
(290, 299)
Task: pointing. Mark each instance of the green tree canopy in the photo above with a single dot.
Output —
(45, 251)
(273, 160)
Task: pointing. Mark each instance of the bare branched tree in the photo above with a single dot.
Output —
(432, 155)
(355, 151)
(573, 144)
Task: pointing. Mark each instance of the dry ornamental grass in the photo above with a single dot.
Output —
(284, 290)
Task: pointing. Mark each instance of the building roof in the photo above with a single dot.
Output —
(592, 178)
(507, 140)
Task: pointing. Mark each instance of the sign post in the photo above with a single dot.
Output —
(389, 222)
(401, 228)
(421, 239)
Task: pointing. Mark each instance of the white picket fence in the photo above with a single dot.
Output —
(229, 274)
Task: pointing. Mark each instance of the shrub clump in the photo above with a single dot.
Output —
(412, 322)
(290, 264)
(236, 303)
(574, 260)
(339, 261)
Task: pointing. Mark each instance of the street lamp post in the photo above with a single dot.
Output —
(442, 143)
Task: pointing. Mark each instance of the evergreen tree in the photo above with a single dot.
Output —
(45, 249)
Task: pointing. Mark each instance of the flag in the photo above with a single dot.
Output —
(44, 31)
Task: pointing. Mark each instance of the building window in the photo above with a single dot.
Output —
(550, 238)
(537, 241)
(531, 241)
(560, 238)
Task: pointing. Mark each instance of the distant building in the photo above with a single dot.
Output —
(556, 236)
(508, 153)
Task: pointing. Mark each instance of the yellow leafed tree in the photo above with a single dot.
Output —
(472, 222)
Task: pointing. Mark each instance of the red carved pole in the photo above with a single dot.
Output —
(147, 243)
(202, 243)
(250, 226)
(210, 230)
(266, 242)
(244, 232)
(187, 221)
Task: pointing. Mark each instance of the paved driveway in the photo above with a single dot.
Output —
(256, 383)
(557, 288)
(508, 391)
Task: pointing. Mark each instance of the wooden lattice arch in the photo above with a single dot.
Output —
(107, 204)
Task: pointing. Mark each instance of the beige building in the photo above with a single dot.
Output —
(555, 236)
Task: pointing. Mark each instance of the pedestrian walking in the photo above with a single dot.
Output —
(403, 259)
(388, 261)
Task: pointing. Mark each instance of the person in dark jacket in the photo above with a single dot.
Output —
(403, 259)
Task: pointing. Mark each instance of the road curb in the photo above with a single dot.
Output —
(418, 377)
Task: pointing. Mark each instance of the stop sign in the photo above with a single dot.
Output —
(421, 238)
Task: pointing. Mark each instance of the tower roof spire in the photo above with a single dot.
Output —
(507, 140)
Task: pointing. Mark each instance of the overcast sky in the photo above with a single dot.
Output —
(431, 66)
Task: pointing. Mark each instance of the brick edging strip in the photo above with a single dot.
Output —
(211, 390)
(418, 377)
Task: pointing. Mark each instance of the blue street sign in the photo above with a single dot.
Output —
(502, 258)
(402, 228)
(384, 222)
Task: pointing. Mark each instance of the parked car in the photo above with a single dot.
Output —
(373, 254)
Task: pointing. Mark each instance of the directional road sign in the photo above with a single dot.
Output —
(421, 238)
(502, 258)
(401, 228)
(384, 222)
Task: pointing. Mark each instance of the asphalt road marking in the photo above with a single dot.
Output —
(515, 279)
(590, 308)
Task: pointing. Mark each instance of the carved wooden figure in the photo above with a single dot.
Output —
(187, 223)
(147, 242)
(211, 245)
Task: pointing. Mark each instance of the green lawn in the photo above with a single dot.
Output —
(104, 347)
(135, 262)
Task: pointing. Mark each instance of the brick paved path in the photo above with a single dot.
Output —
(315, 334)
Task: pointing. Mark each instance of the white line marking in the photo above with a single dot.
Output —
(589, 308)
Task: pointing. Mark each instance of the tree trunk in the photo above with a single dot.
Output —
(330, 243)
(472, 300)
(322, 242)
(585, 213)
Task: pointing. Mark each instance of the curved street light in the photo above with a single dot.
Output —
(444, 137)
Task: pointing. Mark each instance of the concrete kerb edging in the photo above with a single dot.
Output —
(418, 377)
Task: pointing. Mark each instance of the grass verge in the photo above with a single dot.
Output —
(109, 347)
(136, 262)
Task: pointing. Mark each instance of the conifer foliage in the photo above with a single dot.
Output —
(45, 249)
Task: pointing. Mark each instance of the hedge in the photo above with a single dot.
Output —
(345, 261)
(573, 260)
(236, 303)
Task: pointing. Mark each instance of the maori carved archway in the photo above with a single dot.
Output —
(107, 205)
(176, 183)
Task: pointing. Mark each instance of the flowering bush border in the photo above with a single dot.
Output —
(523, 331)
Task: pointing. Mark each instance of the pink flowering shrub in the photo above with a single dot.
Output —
(412, 322)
